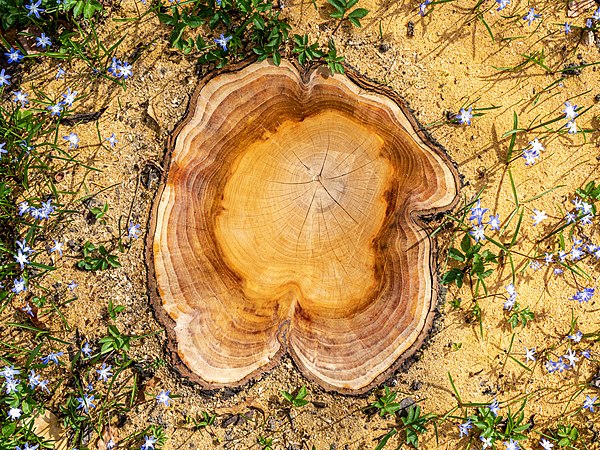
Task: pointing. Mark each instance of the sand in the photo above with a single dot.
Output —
(447, 64)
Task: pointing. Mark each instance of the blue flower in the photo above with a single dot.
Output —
(33, 380)
(21, 258)
(69, 97)
(478, 233)
(163, 397)
(465, 116)
(44, 211)
(14, 413)
(133, 232)
(570, 217)
(477, 212)
(125, 70)
(567, 27)
(570, 111)
(43, 41)
(104, 372)
(20, 96)
(576, 337)
(464, 428)
(510, 302)
(14, 55)
(86, 402)
(8, 373)
(11, 385)
(86, 350)
(72, 139)
(589, 402)
(114, 66)
(584, 296)
(502, 4)
(530, 157)
(486, 442)
(494, 407)
(531, 16)
(27, 310)
(222, 41)
(571, 357)
(4, 77)
(538, 216)
(35, 8)
(52, 357)
(149, 442)
(494, 222)
(19, 285)
(112, 140)
(529, 354)
(44, 386)
(55, 110)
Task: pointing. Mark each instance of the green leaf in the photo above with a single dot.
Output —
(276, 58)
(258, 22)
(456, 254)
(465, 244)
(167, 19)
(337, 4)
(359, 13)
(78, 9)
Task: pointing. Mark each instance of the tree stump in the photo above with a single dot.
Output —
(289, 221)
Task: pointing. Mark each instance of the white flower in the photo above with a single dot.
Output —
(538, 216)
(570, 111)
(546, 444)
(14, 413)
(529, 354)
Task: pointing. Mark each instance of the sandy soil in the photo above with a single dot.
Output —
(447, 64)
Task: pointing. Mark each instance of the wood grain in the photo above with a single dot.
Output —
(289, 222)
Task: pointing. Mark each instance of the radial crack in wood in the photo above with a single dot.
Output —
(289, 222)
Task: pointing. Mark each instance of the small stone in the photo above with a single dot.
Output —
(595, 381)
(405, 404)
(383, 47)
(416, 385)
(571, 69)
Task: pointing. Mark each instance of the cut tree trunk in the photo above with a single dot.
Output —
(289, 222)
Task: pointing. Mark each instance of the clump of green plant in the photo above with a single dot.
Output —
(520, 316)
(474, 262)
(495, 428)
(386, 404)
(566, 435)
(245, 26)
(413, 424)
(97, 258)
(205, 420)
(17, 13)
(265, 443)
(297, 399)
(342, 11)
(228, 30)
